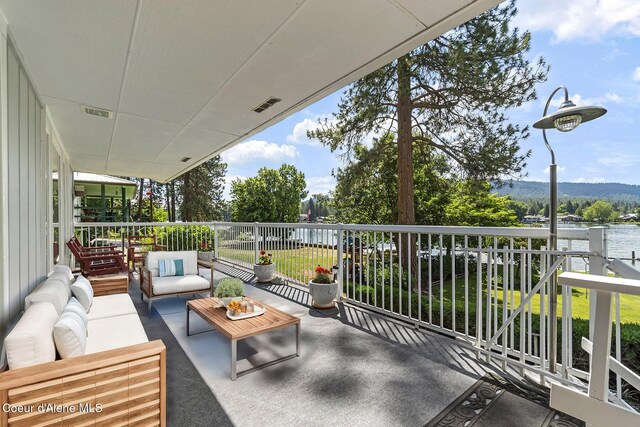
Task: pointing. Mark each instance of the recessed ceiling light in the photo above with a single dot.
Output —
(185, 159)
(266, 104)
(100, 112)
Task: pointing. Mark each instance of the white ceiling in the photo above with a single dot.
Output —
(183, 77)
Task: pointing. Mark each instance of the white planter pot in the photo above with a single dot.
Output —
(205, 256)
(264, 273)
(323, 294)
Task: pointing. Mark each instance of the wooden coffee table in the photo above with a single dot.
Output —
(209, 309)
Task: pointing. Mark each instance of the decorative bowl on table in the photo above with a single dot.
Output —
(237, 310)
(227, 300)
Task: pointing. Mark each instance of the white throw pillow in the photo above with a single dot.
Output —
(70, 334)
(82, 290)
(30, 342)
(75, 306)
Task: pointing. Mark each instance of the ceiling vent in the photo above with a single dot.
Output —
(266, 104)
(185, 159)
(98, 112)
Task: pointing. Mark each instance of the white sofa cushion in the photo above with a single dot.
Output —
(189, 263)
(114, 332)
(31, 340)
(111, 306)
(61, 268)
(83, 290)
(70, 334)
(177, 284)
(53, 291)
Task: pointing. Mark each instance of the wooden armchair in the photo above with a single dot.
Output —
(96, 262)
(138, 247)
(95, 249)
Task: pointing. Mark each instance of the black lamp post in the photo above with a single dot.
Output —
(566, 119)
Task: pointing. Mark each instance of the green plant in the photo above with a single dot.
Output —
(264, 258)
(323, 276)
(229, 287)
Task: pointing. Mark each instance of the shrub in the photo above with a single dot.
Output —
(229, 287)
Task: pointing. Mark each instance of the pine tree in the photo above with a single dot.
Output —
(450, 95)
(198, 192)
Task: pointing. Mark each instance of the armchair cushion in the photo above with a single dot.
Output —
(174, 285)
(31, 340)
(190, 261)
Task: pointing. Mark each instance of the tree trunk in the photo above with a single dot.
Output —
(140, 195)
(186, 197)
(167, 200)
(151, 201)
(406, 208)
(173, 201)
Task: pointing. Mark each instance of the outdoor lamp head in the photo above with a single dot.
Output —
(568, 117)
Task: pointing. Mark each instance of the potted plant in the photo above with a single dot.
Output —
(229, 289)
(205, 253)
(265, 269)
(323, 288)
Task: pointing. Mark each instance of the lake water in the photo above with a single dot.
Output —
(622, 239)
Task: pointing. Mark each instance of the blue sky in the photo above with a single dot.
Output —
(593, 47)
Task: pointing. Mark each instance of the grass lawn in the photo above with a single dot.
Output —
(629, 304)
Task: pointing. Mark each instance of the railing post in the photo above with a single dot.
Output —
(340, 247)
(597, 246)
(215, 240)
(255, 243)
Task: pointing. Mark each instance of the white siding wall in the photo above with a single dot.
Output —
(26, 252)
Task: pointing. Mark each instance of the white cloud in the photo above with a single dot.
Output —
(254, 149)
(608, 98)
(321, 184)
(227, 185)
(636, 74)
(618, 160)
(572, 20)
(592, 180)
(560, 169)
(299, 133)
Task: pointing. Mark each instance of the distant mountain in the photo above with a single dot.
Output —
(524, 190)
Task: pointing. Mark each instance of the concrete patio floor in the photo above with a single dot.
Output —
(355, 367)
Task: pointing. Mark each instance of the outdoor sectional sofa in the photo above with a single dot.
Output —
(116, 377)
(153, 286)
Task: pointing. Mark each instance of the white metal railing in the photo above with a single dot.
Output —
(593, 406)
(487, 286)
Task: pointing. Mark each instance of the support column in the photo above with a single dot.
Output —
(597, 245)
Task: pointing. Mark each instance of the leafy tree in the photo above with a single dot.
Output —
(519, 208)
(449, 95)
(474, 205)
(600, 211)
(272, 196)
(199, 191)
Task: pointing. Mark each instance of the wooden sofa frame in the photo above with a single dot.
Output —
(146, 286)
(124, 386)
